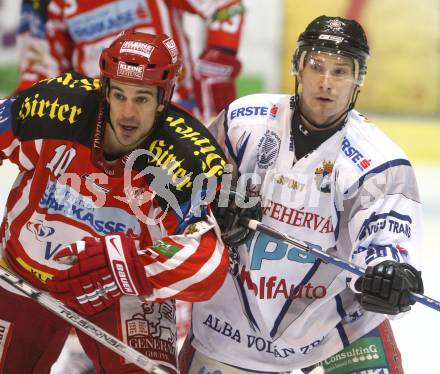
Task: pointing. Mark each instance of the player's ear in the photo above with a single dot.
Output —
(299, 77)
(160, 108)
(106, 88)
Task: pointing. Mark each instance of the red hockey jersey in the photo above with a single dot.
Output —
(61, 195)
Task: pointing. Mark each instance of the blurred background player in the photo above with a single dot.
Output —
(330, 178)
(56, 36)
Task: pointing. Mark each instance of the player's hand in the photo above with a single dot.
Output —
(228, 209)
(214, 86)
(103, 270)
(386, 287)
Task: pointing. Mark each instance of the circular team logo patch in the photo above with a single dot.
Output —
(268, 149)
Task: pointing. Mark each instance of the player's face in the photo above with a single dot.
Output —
(327, 86)
(132, 113)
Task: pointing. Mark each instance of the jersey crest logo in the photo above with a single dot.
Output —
(335, 25)
(152, 330)
(323, 176)
(268, 149)
(40, 230)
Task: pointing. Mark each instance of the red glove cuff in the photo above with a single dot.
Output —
(217, 63)
(214, 86)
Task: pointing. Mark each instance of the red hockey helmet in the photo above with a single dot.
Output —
(141, 58)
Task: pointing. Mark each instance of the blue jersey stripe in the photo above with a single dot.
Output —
(227, 140)
(241, 151)
(376, 170)
(342, 335)
(289, 301)
(339, 306)
(246, 305)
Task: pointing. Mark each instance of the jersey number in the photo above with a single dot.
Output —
(61, 160)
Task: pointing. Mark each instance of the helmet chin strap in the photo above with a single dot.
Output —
(314, 126)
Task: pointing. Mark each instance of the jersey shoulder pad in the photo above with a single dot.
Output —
(253, 121)
(34, 12)
(183, 148)
(255, 108)
(57, 108)
(365, 148)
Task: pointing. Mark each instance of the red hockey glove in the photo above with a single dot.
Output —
(214, 86)
(103, 270)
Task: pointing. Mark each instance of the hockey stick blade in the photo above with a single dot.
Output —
(79, 322)
(343, 264)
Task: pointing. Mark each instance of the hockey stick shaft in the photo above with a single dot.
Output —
(80, 323)
(343, 264)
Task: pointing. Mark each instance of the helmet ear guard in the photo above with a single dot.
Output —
(142, 59)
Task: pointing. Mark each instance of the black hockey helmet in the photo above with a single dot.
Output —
(334, 35)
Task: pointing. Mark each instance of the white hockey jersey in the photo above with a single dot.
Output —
(354, 197)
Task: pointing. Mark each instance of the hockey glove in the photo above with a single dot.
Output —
(386, 287)
(102, 271)
(229, 213)
(214, 86)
